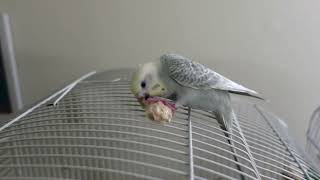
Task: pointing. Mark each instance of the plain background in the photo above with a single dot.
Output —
(271, 46)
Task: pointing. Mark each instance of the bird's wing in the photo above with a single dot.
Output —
(195, 75)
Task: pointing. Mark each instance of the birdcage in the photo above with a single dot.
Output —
(95, 129)
(313, 138)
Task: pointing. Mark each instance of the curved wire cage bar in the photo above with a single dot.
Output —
(313, 138)
(95, 129)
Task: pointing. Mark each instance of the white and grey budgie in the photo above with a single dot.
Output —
(188, 83)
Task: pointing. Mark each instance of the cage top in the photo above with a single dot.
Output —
(94, 129)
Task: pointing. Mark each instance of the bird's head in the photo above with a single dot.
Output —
(147, 83)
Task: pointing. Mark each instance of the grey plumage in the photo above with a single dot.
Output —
(194, 85)
(195, 75)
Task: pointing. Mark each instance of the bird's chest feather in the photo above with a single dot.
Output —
(198, 99)
(194, 98)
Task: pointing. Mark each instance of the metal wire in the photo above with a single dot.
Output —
(95, 129)
(284, 143)
(313, 139)
(190, 147)
(46, 100)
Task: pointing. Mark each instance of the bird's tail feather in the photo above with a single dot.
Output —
(258, 96)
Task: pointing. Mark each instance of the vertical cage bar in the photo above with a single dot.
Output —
(256, 172)
(190, 146)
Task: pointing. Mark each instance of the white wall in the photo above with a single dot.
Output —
(271, 46)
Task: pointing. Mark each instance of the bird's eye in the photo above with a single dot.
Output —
(143, 84)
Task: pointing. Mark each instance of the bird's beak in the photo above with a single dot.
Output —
(141, 100)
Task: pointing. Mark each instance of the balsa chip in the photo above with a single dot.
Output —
(159, 112)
